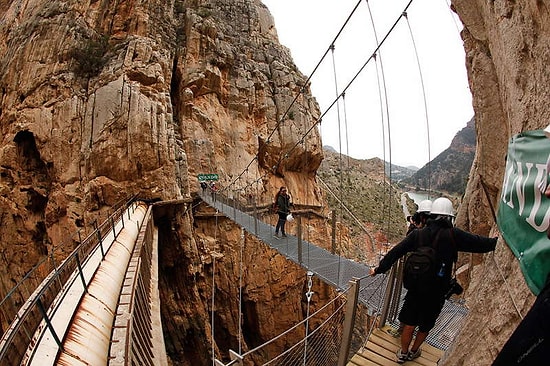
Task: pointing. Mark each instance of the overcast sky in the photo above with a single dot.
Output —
(307, 27)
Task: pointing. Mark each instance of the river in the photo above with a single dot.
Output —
(416, 196)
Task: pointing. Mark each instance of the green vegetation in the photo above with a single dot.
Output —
(90, 56)
(204, 12)
(179, 7)
(367, 195)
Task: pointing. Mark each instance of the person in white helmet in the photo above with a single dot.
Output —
(421, 308)
(419, 218)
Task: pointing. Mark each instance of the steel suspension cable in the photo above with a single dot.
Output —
(350, 83)
(339, 152)
(449, 6)
(241, 289)
(214, 289)
(493, 213)
(346, 130)
(381, 75)
(306, 82)
(425, 102)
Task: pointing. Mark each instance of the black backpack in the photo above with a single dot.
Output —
(420, 271)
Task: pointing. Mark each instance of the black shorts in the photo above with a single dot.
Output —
(421, 310)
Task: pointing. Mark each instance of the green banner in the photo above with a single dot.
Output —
(207, 177)
(524, 211)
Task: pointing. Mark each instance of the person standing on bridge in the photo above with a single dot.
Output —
(282, 201)
(422, 306)
(418, 220)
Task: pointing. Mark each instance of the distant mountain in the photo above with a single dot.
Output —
(399, 173)
(362, 185)
(449, 170)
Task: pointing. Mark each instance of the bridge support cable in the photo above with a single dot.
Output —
(324, 266)
(323, 342)
(213, 303)
(429, 188)
(348, 211)
(318, 121)
(243, 241)
(384, 107)
(340, 164)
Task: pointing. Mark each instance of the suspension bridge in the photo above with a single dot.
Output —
(101, 304)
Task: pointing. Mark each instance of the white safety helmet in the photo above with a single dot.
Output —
(425, 206)
(442, 206)
(547, 131)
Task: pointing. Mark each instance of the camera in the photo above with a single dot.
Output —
(454, 288)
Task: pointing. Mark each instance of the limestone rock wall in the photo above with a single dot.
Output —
(507, 47)
(103, 100)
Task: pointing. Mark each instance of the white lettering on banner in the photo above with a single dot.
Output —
(516, 185)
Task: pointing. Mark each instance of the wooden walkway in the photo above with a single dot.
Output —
(381, 348)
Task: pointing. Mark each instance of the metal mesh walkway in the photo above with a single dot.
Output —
(338, 271)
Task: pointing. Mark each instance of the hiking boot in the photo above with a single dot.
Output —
(284, 235)
(402, 357)
(414, 354)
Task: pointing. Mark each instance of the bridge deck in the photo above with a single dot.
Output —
(338, 271)
(381, 348)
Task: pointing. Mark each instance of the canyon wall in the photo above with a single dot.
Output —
(507, 47)
(100, 101)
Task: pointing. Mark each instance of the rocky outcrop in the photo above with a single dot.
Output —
(507, 53)
(103, 100)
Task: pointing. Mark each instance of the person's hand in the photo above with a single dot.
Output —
(372, 271)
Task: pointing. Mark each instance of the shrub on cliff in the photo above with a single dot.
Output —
(90, 57)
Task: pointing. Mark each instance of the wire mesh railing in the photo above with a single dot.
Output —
(316, 340)
(337, 271)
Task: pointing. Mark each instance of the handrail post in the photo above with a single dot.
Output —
(398, 283)
(333, 231)
(48, 323)
(349, 320)
(80, 272)
(113, 226)
(387, 297)
(299, 234)
(100, 239)
(255, 218)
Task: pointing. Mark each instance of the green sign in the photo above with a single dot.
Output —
(524, 211)
(207, 177)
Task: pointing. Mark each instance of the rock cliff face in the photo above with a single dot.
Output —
(103, 100)
(507, 47)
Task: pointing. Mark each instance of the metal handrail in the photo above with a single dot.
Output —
(18, 335)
